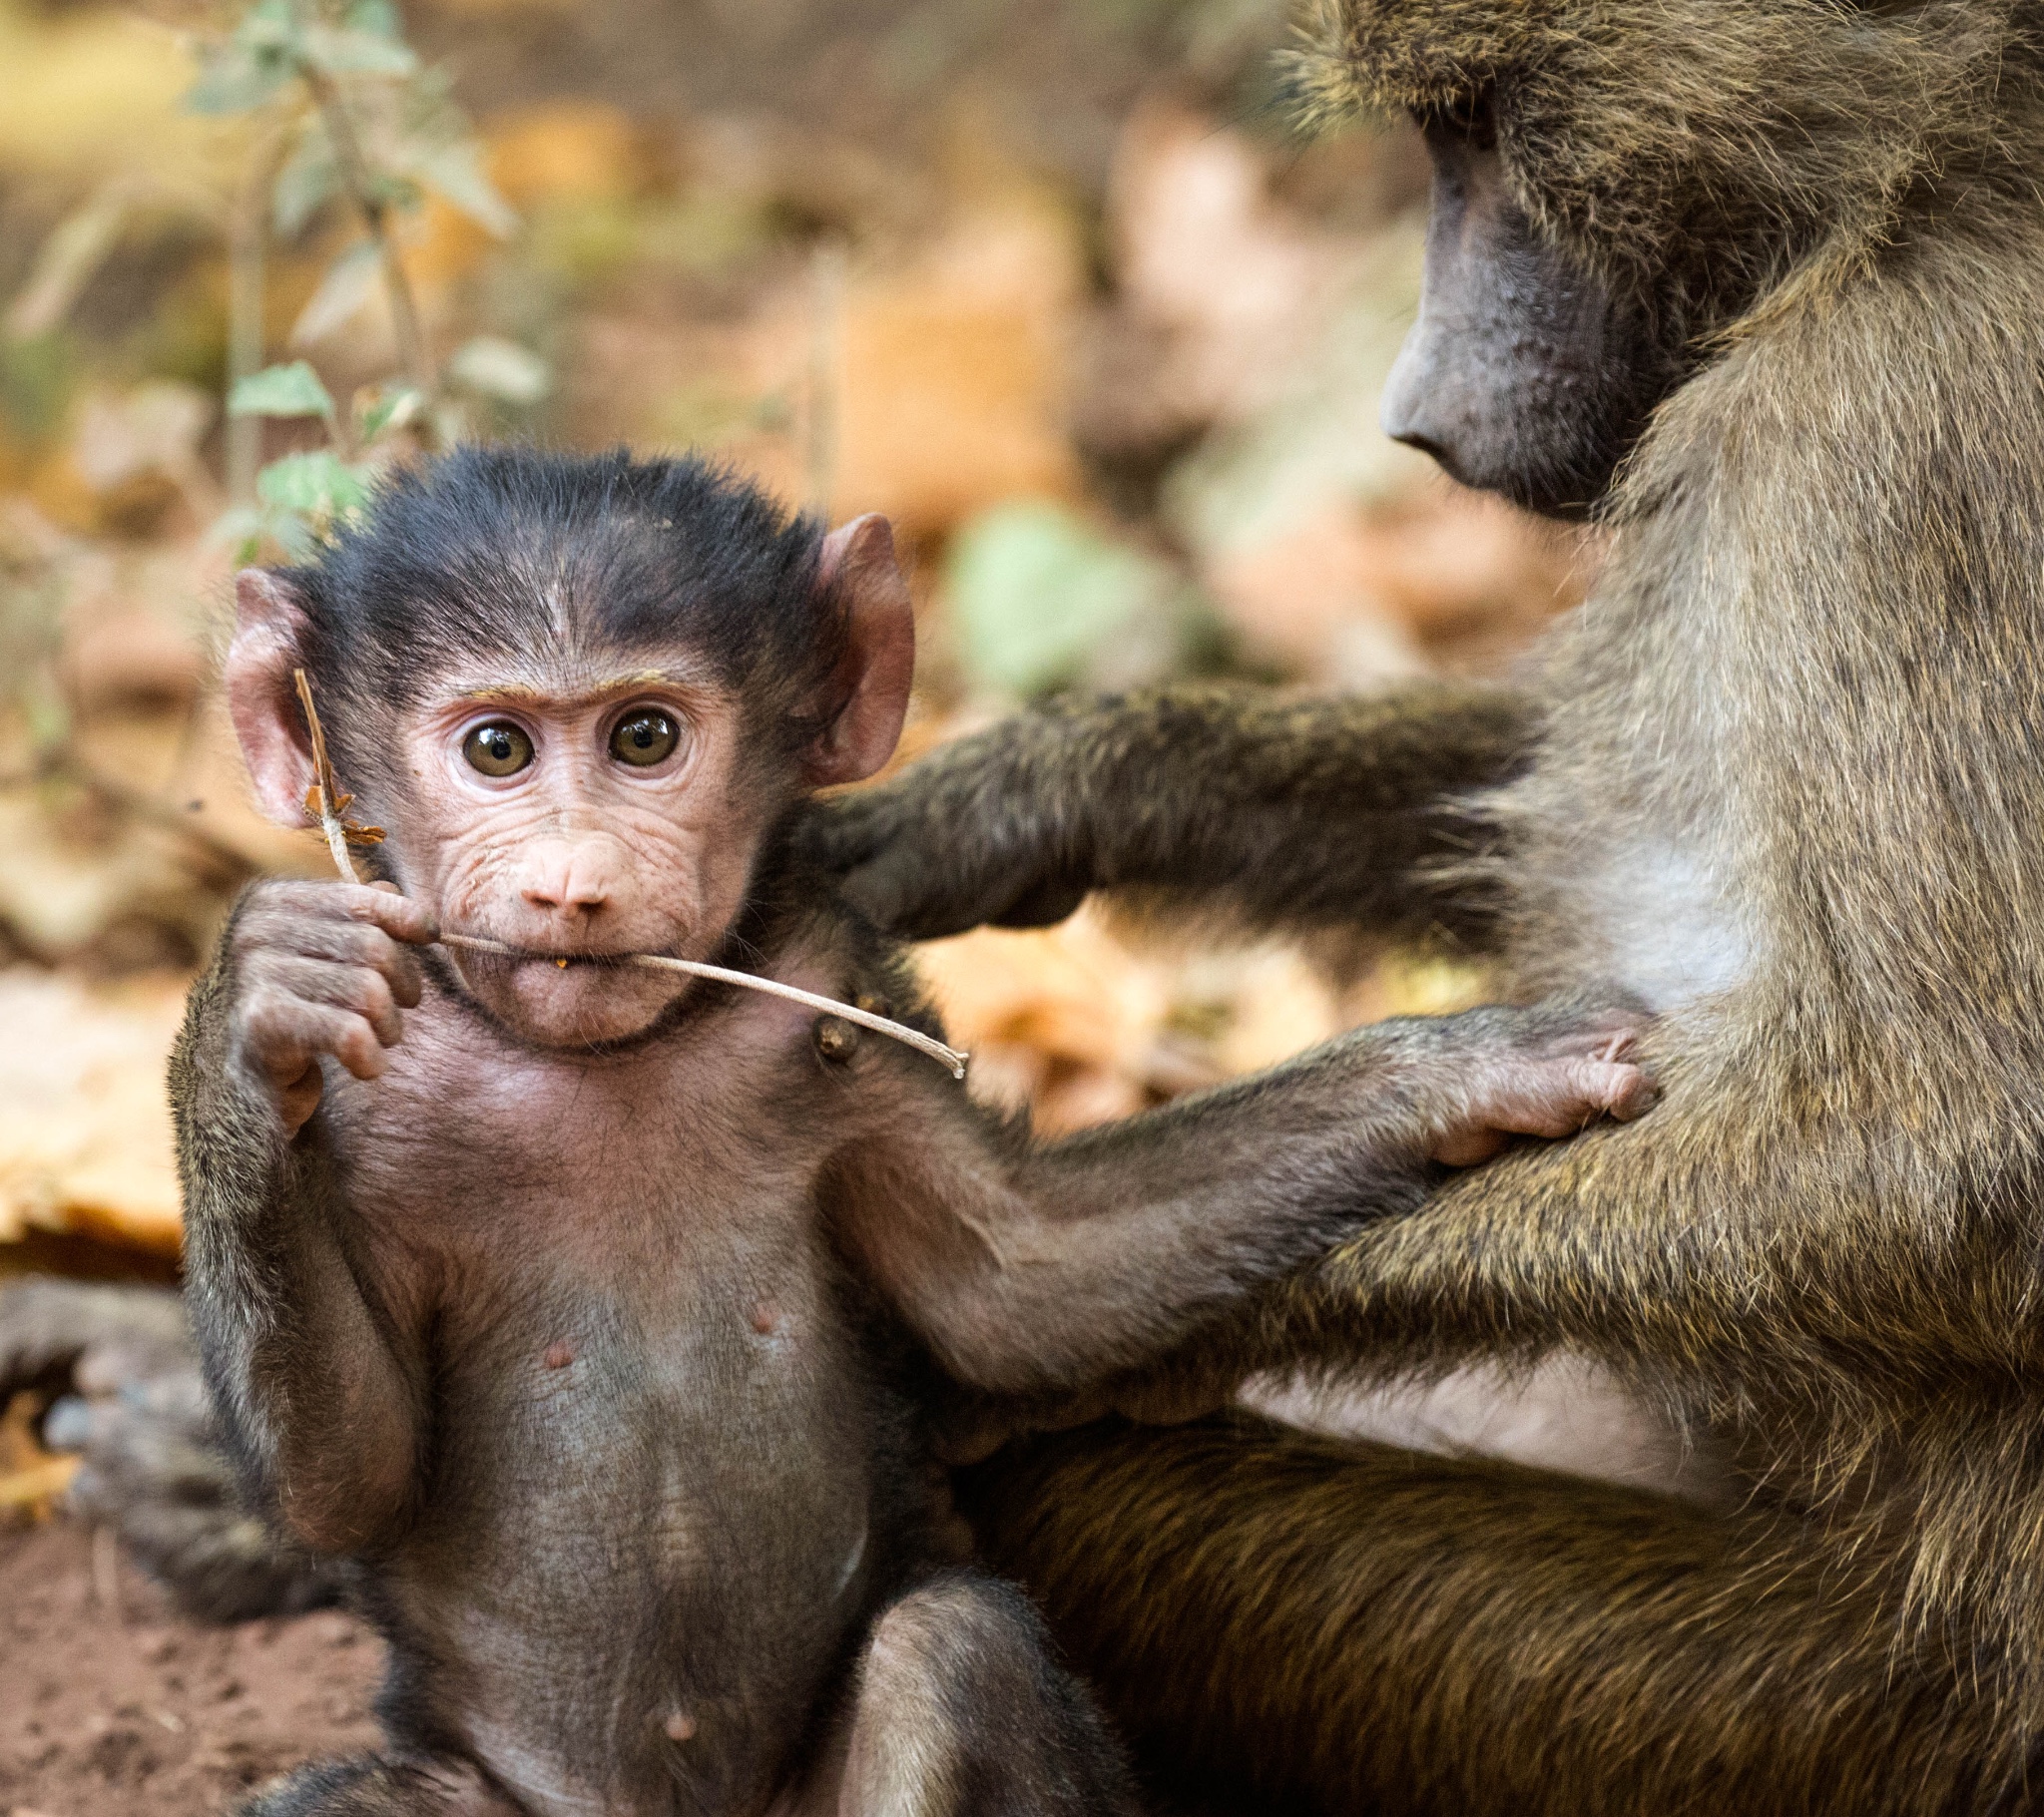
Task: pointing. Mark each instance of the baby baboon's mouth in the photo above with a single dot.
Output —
(518, 955)
(830, 1006)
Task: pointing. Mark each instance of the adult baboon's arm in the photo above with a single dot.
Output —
(1289, 813)
(1707, 1230)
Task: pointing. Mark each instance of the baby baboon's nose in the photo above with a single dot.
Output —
(566, 879)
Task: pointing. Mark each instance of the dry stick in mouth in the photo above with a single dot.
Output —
(325, 801)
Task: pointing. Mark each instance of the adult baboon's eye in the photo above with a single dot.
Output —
(644, 738)
(1473, 117)
(497, 750)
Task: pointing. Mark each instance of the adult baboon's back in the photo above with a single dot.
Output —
(1780, 778)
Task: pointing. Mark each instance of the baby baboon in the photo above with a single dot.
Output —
(602, 1320)
(1780, 779)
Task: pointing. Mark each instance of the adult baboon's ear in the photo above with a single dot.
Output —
(269, 642)
(866, 697)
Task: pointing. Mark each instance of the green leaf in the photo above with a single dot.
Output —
(320, 485)
(1036, 592)
(292, 390)
(456, 171)
(501, 369)
(236, 81)
(269, 25)
(377, 17)
(265, 54)
(392, 408)
(250, 533)
(340, 52)
(309, 180)
(343, 291)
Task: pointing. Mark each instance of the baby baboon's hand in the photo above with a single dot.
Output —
(318, 969)
(1544, 1072)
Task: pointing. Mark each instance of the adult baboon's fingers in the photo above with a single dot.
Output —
(897, 893)
(880, 892)
(841, 834)
(1042, 904)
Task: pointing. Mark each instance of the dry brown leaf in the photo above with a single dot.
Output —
(1312, 602)
(954, 373)
(577, 151)
(31, 1479)
(1235, 281)
(1082, 1023)
(37, 1486)
(85, 1126)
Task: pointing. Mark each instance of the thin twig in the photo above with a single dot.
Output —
(915, 1038)
(356, 177)
(326, 802)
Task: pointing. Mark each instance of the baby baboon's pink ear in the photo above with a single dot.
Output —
(269, 642)
(866, 699)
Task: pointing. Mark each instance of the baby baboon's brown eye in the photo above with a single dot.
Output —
(497, 750)
(645, 737)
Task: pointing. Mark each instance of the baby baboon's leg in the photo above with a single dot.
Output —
(961, 1711)
(373, 1788)
(1302, 1624)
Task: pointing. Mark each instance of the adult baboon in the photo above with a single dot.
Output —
(1781, 780)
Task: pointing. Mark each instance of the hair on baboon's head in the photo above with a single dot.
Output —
(1694, 153)
(550, 556)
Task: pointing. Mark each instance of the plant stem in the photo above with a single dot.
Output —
(63, 765)
(827, 358)
(376, 212)
(247, 243)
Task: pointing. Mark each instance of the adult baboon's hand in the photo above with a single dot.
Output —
(976, 834)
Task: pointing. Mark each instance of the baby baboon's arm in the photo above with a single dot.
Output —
(1041, 1268)
(318, 1405)
(1295, 815)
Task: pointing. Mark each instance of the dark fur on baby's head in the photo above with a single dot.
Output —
(499, 551)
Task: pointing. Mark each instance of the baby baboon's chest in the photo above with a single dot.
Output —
(658, 1430)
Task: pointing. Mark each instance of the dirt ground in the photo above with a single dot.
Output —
(112, 1705)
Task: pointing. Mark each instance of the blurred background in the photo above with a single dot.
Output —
(1048, 281)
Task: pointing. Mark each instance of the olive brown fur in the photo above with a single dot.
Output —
(1780, 779)
(1731, 143)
